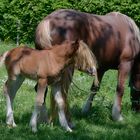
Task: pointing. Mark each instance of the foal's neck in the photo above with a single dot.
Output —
(56, 59)
(60, 54)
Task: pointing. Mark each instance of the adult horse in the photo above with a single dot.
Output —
(114, 38)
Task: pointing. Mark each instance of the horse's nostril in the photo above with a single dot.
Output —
(89, 70)
(92, 71)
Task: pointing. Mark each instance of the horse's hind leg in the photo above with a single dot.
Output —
(53, 109)
(42, 84)
(10, 89)
(64, 85)
(94, 89)
(123, 71)
(61, 106)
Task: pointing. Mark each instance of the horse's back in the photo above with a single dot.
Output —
(113, 31)
(63, 25)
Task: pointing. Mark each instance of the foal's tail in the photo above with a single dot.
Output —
(3, 57)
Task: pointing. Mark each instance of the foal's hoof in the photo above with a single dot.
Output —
(11, 125)
(120, 118)
(34, 130)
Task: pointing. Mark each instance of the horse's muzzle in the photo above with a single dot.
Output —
(91, 71)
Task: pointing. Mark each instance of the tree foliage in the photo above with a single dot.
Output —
(22, 16)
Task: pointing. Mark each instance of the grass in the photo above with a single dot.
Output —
(96, 125)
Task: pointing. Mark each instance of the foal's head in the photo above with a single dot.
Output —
(67, 49)
(72, 47)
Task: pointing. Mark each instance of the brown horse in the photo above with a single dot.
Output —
(114, 39)
(44, 66)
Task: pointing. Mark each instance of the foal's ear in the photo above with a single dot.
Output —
(75, 43)
(23, 45)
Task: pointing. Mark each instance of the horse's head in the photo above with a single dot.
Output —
(85, 60)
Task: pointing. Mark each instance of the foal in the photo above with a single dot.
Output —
(44, 66)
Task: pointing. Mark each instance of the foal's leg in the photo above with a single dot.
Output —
(42, 83)
(123, 71)
(61, 106)
(94, 89)
(43, 117)
(10, 89)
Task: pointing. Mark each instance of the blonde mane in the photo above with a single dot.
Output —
(85, 58)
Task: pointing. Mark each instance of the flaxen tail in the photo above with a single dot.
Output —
(43, 35)
(3, 57)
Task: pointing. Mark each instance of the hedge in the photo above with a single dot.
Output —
(20, 17)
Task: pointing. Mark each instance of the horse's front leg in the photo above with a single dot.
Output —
(42, 84)
(135, 85)
(123, 71)
(94, 88)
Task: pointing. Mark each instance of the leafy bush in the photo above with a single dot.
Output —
(21, 17)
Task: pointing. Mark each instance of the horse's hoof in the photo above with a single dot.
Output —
(119, 118)
(71, 125)
(86, 108)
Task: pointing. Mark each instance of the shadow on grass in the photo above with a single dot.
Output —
(23, 131)
(95, 125)
(102, 118)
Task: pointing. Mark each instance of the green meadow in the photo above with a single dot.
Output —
(96, 125)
